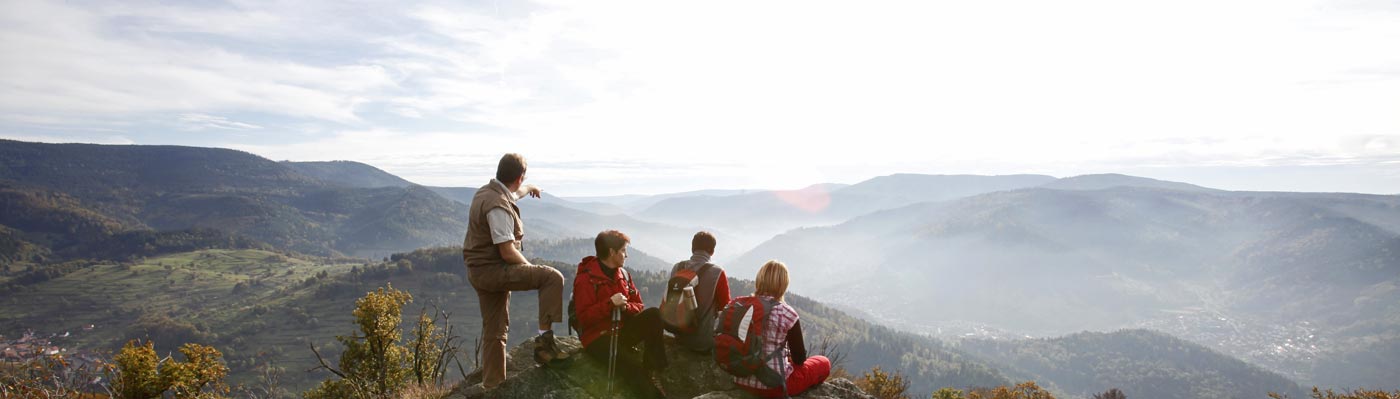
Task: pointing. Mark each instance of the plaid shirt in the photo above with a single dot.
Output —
(779, 322)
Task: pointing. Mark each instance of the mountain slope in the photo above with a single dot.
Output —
(1139, 362)
(754, 217)
(821, 204)
(348, 174)
(167, 188)
(1279, 268)
(1112, 180)
(285, 303)
(632, 203)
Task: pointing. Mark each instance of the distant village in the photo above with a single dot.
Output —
(31, 346)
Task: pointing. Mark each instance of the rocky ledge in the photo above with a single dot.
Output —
(690, 375)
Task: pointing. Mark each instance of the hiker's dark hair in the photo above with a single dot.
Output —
(703, 241)
(512, 166)
(608, 240)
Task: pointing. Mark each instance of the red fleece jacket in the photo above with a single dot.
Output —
(592, 289)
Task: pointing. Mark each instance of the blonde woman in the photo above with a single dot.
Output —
(783, 332)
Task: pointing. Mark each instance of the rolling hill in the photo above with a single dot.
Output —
(1273, 268)
(167, 188)
(261, 308)
(348, 174)
(197, 244)
(1142, 363)
(754, 217)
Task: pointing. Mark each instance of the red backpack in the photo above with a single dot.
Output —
(739, 340)
(678, 308)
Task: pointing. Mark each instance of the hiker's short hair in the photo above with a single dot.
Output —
(772, 280)
(511, 167)
(608, 240)
(703, 241)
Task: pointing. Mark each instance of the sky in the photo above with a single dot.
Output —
(645, 97)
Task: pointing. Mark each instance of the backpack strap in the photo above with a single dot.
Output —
(769, 306)
(703, 268)
(596, 285)
(629, 287)
(699, 276)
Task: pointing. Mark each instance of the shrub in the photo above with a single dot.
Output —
(882, 385)
(373, 364)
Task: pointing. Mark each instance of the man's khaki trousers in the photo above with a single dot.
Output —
(493, 285)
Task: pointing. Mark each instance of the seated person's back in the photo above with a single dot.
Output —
(711, 294)
(783, 331)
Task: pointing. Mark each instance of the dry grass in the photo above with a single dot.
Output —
(425, 391)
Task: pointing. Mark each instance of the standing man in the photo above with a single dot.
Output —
(496, 266)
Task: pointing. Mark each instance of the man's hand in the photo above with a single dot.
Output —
(530, 190)
(619, 300)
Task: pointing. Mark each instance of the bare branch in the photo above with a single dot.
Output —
(323, 365)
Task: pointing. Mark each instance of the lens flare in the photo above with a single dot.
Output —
(812, 199)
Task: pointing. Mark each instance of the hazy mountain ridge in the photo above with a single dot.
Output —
(632, 203)
(1143, 363)
(1111, 180)
(1150, 247)
(1070, 260)
(826, 203)
(753, 217)
(348, 173)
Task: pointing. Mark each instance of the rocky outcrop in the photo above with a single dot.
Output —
(690, 375)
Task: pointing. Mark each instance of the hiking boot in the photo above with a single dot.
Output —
(546, 351)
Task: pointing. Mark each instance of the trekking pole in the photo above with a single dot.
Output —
(612, 349)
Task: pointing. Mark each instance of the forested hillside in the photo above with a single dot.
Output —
(264, 308)
(263, 258)
(57, 195)
(1142, 363)
(1281, 279)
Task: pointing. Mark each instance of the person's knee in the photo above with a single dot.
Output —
(555, 277)
(821, 365)
(548, 277)
(651, 316)
(497, 333)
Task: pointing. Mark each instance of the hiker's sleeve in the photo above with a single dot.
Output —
(501, 224)
(634, 299)
(721, 291)
(795, 345)
(593, 309)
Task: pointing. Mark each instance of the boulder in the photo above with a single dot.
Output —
(690, 375)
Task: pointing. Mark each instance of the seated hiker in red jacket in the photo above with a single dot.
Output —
(602, 285)
(801, 371)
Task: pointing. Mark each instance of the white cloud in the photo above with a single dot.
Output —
(198, 122)
(801, 91)
(63, 60)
